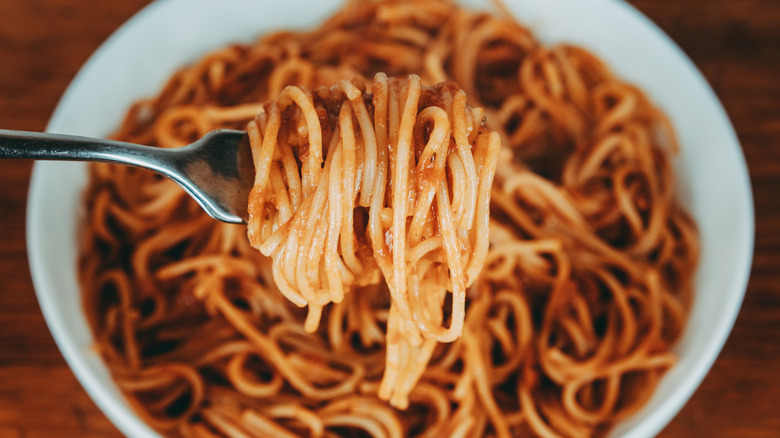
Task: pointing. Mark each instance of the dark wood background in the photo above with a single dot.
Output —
(735, 43)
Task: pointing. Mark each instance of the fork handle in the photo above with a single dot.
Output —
(46, 146)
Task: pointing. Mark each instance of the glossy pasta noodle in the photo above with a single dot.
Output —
(585, 277)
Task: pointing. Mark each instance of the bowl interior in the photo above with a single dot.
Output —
(136, 61)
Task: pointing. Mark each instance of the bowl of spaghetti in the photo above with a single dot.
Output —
(470, 220)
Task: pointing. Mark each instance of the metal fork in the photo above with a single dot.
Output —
(217, 170)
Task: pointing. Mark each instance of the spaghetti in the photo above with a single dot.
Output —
(414, 165)
(586, 273)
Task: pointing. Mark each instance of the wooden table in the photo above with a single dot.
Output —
(735, 43)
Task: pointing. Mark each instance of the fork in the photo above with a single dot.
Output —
(217, 170)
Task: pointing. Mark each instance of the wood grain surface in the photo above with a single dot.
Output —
(736, 44)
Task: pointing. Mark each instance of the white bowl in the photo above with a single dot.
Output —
(138, 58)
